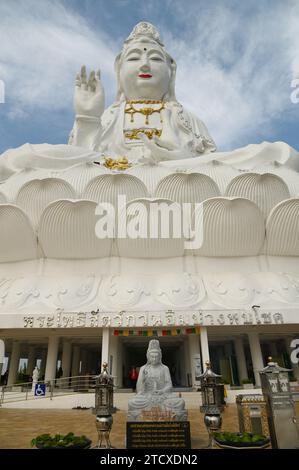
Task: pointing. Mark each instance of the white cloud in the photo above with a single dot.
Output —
(235, 71)
(42, 46)
(235, 61)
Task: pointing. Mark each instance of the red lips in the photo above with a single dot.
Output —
(145, 75)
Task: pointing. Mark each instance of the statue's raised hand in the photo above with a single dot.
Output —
(89, 97)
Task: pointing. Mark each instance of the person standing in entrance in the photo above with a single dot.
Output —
(133, 376)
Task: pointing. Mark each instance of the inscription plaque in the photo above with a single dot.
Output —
(158, 435)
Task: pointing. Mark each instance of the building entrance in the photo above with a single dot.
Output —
(173, 356)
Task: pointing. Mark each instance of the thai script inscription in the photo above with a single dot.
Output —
(97, 319)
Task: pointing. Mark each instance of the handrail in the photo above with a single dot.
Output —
(54, 387)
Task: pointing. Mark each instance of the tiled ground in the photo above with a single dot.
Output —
(18, 427)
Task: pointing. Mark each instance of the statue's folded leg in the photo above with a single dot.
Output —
(136, 405)
(177, 406)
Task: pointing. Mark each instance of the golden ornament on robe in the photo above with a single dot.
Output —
(121, 163)
(134, 133)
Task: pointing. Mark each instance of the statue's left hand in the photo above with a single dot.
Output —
(89, 97)
(158, 150)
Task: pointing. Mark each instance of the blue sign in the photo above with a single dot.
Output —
(40, 390)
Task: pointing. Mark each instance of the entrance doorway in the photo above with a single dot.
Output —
(173, 356)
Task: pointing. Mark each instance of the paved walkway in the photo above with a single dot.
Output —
(19, 426)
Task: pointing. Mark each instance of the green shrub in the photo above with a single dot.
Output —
(237, 437)
(46, 441)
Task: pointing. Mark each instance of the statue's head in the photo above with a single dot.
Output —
(154, 353)
(144, 69)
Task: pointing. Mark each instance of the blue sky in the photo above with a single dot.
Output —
(236, 61)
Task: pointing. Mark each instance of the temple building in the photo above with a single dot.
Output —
(70, 297)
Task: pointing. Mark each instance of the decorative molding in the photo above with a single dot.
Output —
(226, 291)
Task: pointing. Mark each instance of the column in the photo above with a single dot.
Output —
(256, 355)
(31, 360)
(75, 361)
(105, 346)
(66, 358)
(182, 377)
(295, 367)
(241, 360)
(14, 363)
(114, 359)
(119, 367)
(204, 344)
(194, 352)
(43, 365)
(83, 359)
(187, 362)
(52, 354)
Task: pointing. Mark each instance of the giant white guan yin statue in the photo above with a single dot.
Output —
(145, 124)
(146, 145)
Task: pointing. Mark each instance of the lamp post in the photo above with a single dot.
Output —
(280, 406)
(211, 392)
(104, 407)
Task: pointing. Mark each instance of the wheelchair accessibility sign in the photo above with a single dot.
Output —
(40, 390)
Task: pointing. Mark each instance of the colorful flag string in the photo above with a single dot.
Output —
(147, 333)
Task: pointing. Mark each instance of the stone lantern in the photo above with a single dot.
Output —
(104, 407)
(212, 403)
(280, 406)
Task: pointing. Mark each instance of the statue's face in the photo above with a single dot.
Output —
(154, 357)
(144, 72)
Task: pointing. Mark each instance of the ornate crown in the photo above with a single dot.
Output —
(154, 345)
(144, 29)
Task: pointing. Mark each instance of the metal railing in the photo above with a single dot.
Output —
(53, 388)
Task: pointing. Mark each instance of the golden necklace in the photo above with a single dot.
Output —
(146, 111)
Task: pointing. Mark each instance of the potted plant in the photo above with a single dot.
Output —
(238, 440)
(60, 441)
(247, 383)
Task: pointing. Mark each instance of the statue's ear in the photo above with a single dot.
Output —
(117, 64)
(170, 95)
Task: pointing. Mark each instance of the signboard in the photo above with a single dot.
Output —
(158, 435)
(40, 390)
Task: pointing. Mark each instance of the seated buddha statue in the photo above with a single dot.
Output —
(146, 122)
(154, 388)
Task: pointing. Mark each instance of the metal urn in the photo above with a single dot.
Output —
(212, 402)
(104, 407)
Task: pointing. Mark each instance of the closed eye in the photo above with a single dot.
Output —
(130, 59)
(157, 59)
